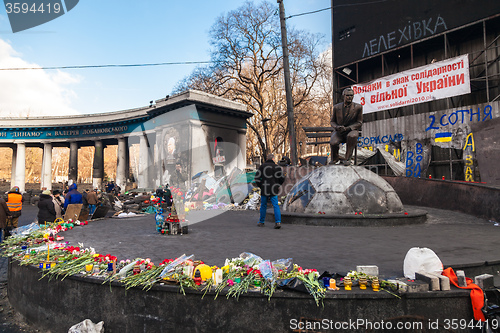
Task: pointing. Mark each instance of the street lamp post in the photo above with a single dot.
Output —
(264, 125)
(288, 86)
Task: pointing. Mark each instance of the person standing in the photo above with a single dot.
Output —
(46, 210)
(117, 190)
(4, 213)
(73, 196)
(110, 186)
(15, 204)
(269, 178)
(347, 118)
(58, 201)
(84, 199)
(92, 201)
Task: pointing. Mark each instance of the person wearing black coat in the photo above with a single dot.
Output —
(46, 210)
(269, 178)
(4, 212)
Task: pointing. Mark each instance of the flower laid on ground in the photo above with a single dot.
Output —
(236, 277)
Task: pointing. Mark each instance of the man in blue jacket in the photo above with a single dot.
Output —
(73, 196)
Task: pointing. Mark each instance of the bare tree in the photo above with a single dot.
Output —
(33, 162)
(247, 67)
(85, 164)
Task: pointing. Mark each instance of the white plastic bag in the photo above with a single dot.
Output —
(170, 268)
(87, 326)
(253, 203)
(421, 260)
(250, 259)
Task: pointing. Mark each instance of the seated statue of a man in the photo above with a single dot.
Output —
(347, 118)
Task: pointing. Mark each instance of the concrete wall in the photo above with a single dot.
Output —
(469, 198)
(54, 306)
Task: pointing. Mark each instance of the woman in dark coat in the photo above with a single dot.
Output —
(46, 210)
(4, 212)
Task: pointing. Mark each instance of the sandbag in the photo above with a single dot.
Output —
(421, 260)
(87, 326)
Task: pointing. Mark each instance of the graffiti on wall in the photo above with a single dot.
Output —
(414, 160)
(459, 116)
(379, 139)
(469, 152)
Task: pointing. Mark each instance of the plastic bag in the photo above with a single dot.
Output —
(25, 229)
(253, 203)
(267, 270)
(294, 284)
(421, 260)
(171, 267)
(87, 326)
(250, 259)
(283, 264)
(123, 272)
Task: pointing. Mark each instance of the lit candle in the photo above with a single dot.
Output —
(48, 251)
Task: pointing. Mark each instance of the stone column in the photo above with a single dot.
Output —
(13, 171)
(127, 161)
(47, 167)
(241, 151)
(159, 159)
(143, 180)
(20, 166)
(121, 165)
(98, 166)
(73, 162)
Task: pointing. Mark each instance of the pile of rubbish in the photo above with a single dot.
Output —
(236, 191)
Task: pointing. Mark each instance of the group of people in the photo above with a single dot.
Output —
(112, 187)
(51, 205)
(165, 195)
(89, 199)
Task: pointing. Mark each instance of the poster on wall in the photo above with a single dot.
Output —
(435, 81)
(174, 155)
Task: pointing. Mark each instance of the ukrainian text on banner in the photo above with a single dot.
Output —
(439, 80)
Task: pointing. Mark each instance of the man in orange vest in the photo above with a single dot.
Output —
(15, 204)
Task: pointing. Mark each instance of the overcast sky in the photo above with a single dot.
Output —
(100, 32)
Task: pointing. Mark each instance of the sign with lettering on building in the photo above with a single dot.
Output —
(364, 29)
(439, 80)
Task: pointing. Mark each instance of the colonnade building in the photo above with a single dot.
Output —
(200, 131)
